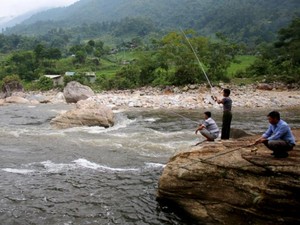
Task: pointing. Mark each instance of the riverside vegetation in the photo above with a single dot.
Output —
(159, 62)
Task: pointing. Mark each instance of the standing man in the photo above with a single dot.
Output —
(227, 115)
(208, 128)
(278, 137)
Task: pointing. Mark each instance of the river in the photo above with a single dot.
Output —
(92, 175)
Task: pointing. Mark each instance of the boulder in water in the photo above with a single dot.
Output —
(75, 92)
(86, 113)
(16, 100)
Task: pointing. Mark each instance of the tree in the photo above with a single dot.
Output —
(80, 57)
(220, 55)
(53, 53)
(39, 51)
(282, 57)
(23, 63)
(288, 43)
(127, 78)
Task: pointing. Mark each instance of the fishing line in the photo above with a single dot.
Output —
(184, 117)
(201, 66)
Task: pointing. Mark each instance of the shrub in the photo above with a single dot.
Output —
(44, 83)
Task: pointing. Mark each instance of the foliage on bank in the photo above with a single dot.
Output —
(165, 61)
(279, 60)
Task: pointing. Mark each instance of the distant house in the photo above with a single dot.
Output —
(125, 62)
(69, 73)
(57, 79)
(91, 76)
(113, 51)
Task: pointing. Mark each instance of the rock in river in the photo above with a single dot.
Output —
(86, 113)
(75, 92)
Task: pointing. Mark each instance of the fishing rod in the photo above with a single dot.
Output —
(201, 66)
(224, 153)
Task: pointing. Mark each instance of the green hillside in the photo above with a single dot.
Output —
(248, 21)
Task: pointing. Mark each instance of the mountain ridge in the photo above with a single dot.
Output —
(238, 19)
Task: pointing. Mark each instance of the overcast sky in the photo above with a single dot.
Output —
(18, 7)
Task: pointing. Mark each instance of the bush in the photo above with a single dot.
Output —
(187, 74)
(11, 83)
(11, 78)
(161, 77)
(240, 74)
(44, 83)
(78, 78)
(259, 67)
(127, 78)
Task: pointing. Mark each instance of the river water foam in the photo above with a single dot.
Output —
(92, 175)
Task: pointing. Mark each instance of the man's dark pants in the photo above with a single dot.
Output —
(227, 117)
(280, 148)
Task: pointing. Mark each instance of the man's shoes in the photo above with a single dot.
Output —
(281, 155)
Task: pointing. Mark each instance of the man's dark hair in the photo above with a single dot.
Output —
(208, 114)
(226, 92)
(274, 115)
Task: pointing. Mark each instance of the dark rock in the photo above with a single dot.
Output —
(238, 133)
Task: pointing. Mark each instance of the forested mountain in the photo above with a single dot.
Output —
(249, 21)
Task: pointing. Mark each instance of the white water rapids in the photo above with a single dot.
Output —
(92, 175)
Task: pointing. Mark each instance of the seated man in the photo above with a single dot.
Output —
(208, 128)
(278, 137)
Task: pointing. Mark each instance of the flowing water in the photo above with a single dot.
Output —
(92, 175)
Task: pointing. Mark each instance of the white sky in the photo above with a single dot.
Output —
(18, 7)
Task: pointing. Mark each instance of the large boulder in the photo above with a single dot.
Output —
(264, 86)
(16, 100)
(232, 182)
(86, 113)
(238, 133)
(75, 92)
(58, 98)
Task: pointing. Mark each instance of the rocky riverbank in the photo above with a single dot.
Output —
(199, 96)
(189, 97)
(234, 182)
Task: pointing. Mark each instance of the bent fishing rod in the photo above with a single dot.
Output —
(199, 62)
(226, 152)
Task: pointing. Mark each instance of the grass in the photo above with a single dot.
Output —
(242, 63)
(113, 63)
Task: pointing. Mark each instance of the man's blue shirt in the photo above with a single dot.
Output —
(280, 131)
